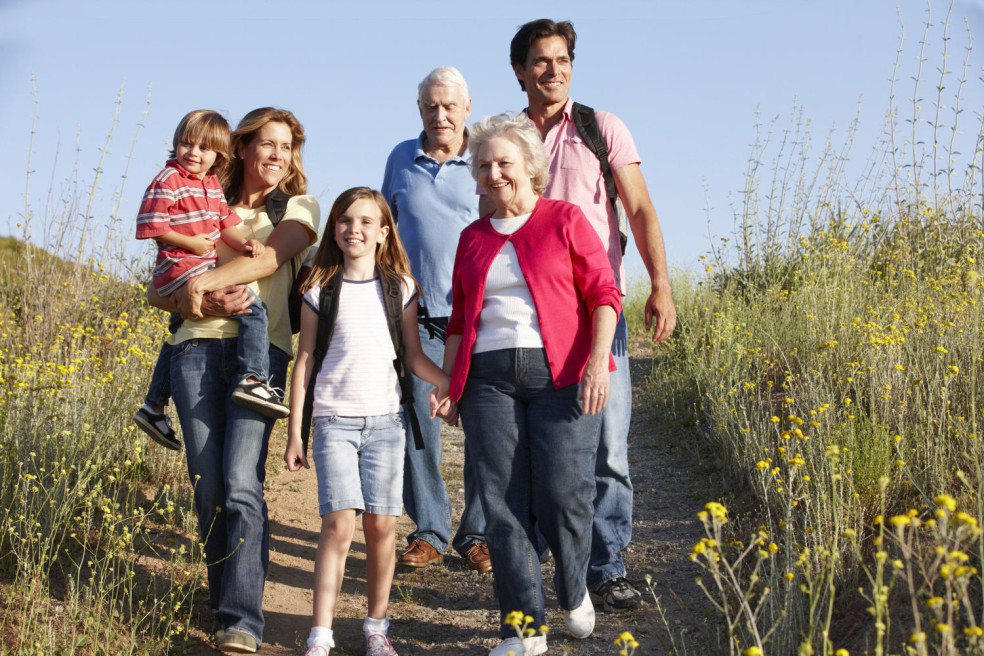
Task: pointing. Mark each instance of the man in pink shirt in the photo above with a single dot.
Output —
(542, 54)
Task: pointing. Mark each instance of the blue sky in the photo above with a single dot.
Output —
(686, 77)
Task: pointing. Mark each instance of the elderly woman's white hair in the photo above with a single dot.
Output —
(446, 76)
(519, 129)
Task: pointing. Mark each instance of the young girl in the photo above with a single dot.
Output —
(359, 438)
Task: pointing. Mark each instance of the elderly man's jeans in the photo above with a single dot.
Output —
(612, 529)
(425, 496)
(534, 453)
(226, 447)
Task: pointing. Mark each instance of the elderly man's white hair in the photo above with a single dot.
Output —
(447, 76)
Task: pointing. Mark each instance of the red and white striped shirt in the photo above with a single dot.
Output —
(179, 201)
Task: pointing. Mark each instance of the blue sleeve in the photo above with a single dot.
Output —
(387, 187)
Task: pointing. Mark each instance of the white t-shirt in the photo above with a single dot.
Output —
(508, 318)
(357, 378)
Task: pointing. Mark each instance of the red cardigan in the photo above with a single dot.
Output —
(568, 274)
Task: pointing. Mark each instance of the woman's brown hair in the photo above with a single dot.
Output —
(295, 182)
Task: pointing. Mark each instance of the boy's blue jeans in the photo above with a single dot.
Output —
(252, 352)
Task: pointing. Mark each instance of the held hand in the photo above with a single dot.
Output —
(227, 302)
(450, 415)
(435, 402)
(593, 388)
(438, 399)
(294, 456)
(253, 247)
(201, 244)
(192, 306)
(659, 306)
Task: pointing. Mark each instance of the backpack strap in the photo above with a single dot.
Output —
(276, 207)
(327, 315)
(393, 298)
(587, 126)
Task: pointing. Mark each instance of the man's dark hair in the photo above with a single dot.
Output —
(519, 49)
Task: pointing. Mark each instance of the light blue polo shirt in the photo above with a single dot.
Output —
(432, 203)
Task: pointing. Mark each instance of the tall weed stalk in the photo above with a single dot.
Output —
(91, 558)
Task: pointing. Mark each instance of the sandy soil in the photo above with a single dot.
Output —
(447, 609)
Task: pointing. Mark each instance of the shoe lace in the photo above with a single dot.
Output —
(277, 392)
(621, 585)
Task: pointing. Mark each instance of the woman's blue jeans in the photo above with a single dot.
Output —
(226, 448)
(534, 455)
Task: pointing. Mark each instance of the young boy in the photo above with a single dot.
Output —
(184, 211)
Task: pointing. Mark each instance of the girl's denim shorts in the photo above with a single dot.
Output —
(359, 462)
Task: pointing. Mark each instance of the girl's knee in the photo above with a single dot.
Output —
(379, 526)
(338, 525)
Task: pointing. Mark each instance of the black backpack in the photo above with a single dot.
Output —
(327, 315)
(587, 126)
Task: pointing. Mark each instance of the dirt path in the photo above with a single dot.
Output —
(451, 610)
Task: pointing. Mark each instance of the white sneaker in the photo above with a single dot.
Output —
(516, 647)
(580, 621)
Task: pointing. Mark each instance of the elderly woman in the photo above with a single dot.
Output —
(533, 314)
(227, 444)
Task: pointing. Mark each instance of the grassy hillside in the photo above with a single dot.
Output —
(79, 489)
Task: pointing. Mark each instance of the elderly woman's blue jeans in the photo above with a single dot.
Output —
(534, 455)
(226, 447)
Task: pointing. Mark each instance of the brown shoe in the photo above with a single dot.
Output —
(420, 553)
(478, 557)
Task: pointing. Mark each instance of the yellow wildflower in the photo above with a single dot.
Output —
(717, 510)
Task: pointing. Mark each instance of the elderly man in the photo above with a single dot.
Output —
(429, 187)
(542, 54)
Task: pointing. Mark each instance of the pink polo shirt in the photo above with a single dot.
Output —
(575, 176)
(568, 276)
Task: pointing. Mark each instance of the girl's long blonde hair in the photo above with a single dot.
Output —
(391, 258)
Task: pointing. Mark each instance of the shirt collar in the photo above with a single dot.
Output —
(174, 164)
(419, 151)
(568, 108)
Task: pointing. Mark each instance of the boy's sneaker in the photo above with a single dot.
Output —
(261, 398)
(617, 594)
(158, 426)
(317, 650)
(379, 645)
